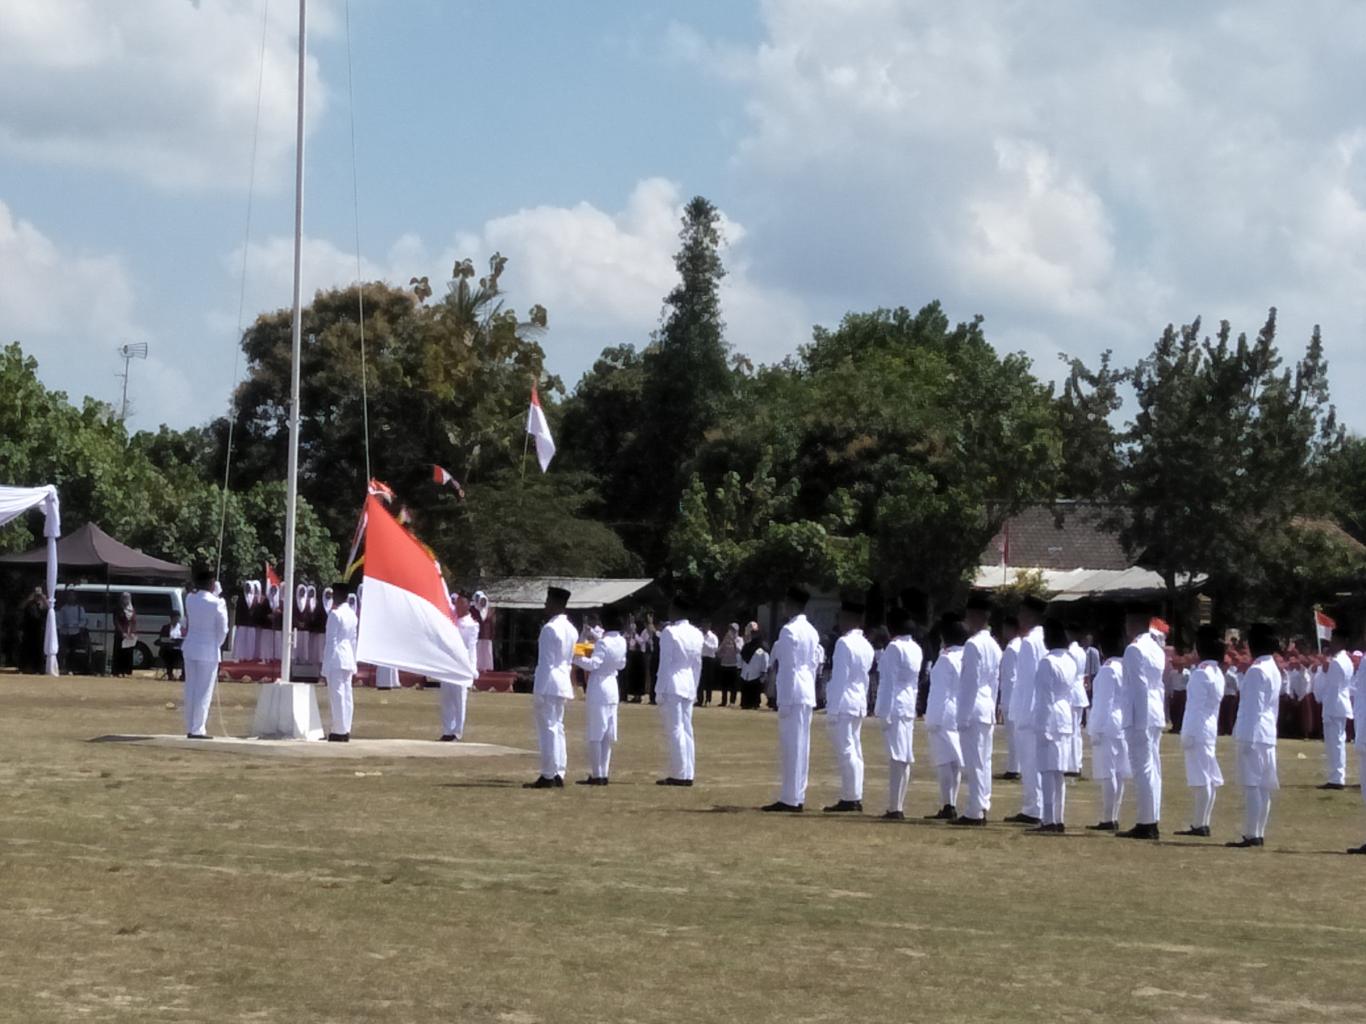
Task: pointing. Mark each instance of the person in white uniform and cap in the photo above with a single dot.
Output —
(602, 695)
(680, 673)
(846, 705)
(455, 696)
(1254, 732)
(1021, 714)
(1333, 690)
(207, 628)
(1055, 683)
(797, 656)
(941, 715)
(897, 690)
(1200, 729)
(1105, 725)
(553, 689)
(977, 689)
(339, 664)
(1145, 718)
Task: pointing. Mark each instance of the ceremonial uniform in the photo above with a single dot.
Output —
(455, 696)
(206, 629)
(976, 705)
(339, 665)
(941, 725)
(552, 689)
(602, 694)
(846, 706)
(1145, 716)
(798, 657)
(1199, 733)
(1024, 723)
(897, 690)
(1055, 683)
(680, 672)
(1333, 690)
(1255, 733)
(1109, 750)
(1009, 657)
(1080, 702)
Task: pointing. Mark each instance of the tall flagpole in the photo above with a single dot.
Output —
(292, 489)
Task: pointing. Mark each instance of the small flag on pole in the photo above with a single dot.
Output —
(538, 428)
(1159, 625)
(272, 580)
(1323, 626)
(442, 478)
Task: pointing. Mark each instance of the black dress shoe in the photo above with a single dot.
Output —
(448, 738)
(590, 781)
(964, 820)
(1195, 830)
(197, 736)
(674, 782)
(782, 808)
(1358, 849)
(894, 816)
(334, 737)
(946, 813)
(1008, 776)
(1246, 843)
(1071, 775)
(1148, 831)
(601, 781)
(542, 783)
(1332, 785)
(1023, 819)
(1104, 826)
(845, 806)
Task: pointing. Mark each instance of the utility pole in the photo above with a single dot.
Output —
(128, 353)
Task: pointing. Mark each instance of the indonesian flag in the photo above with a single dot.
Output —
(1158, 625)
(272, 580)
(407, 621)
(538, 428)
(442, 478)
(1324, 626)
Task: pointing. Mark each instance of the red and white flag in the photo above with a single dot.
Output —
(442, 478)
(1324, 626)
(272, 579)
(538, 428)
(407, 620)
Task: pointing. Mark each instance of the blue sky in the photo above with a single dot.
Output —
(1081, 174)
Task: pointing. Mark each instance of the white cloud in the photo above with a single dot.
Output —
(161, 90)
(71, 310)
(1081, 173)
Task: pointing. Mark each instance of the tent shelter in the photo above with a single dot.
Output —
(14, 502)
(90, 549)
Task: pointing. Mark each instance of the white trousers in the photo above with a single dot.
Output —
(200, 677)
(1335, 750)
(549, 714)
(977, 739)
(1078, 746)
(454, 701)
(340, 701)
(675, 716)
(1146, 763)
(1110, 766)
(1203, 795)
(846, 739)
(1256, 811)
(950, 779)
(386, 678)
(1053, 790)
(898, 780)
(1027, 748)
(599, 757)
(794, 752)
(1012, 748)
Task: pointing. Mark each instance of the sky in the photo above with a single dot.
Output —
(1080, 173)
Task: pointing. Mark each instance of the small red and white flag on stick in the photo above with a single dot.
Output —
(442, 479)
(407, 621)
(538, 428)
(1323, 626)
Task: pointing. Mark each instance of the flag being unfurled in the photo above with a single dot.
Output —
(442, 478)
(407, 619)
(377, 489)
(1324, 626)
(538, 428)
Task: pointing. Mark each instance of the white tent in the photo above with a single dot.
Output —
(14, 502)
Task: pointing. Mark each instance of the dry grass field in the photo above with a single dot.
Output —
(145, 884)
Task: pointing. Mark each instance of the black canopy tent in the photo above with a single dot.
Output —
(91, 549)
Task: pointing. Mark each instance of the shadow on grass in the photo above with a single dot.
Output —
(481, 784)
(119, 739)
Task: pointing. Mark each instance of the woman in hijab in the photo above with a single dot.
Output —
(125, 635)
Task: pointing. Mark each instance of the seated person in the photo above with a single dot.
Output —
(169, 642)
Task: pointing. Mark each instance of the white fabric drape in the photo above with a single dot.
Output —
(14, 502)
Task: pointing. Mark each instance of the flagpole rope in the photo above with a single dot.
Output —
(360, 283)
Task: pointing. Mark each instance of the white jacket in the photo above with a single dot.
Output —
(847, 691)
(1145, 663)
(680, 661)
(798, 656)
(554, 653)
(1107, 715)
(1022, 694)
(898, 679)
(978, 680)
(339, 640)
(207, 626)
(941, 709)
(1334, 688)
(608, 658)
(1204, 693)
(1259, 702)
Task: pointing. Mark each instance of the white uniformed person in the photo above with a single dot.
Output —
(1333, 689)
(1200, 728)
(1254, 731)
(897, 688)
(1145, 717)
(1055, 683)
(553, 689)
(941, 715)
(339, 663)
(1105, 725)
(206, 629)
(846, 705)
(797, 655)
(977, 689)
(455, 695)
(1021, 713)
(680, 672)
(602, 695)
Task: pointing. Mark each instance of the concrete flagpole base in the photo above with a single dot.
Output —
(287, 711)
